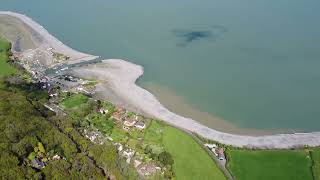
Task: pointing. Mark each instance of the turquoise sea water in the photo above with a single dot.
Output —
(254, 63)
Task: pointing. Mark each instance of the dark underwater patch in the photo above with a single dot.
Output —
(187, 37)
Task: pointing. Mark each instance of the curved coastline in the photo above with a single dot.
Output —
(47, 40)
(120, 76)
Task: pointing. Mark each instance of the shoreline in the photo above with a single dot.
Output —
(120, 79)
(179, 105)
(43, 39)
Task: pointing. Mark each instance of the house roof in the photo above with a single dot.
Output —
(220, 151)
(116, 115)
(130, 120)
(140, 123)
(37, 162)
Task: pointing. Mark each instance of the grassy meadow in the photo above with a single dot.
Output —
(74, 101)
(5, 68)
(190, 160)
(154, 132)
(270, 164)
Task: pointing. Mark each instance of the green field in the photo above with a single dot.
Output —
(273, 164)
(190, 160)
(102, 122)
(132, 143)
(154, 132)
(316, 163)
(119, 135)
(5, 68)
(74, 101)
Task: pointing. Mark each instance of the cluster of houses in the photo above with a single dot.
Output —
(66, 82)
(144, 169)
(79, 85)
(97, 138)
(69, 78)
(217, 151)
(94, 136)
(148, 169)
(83, 90)
(126, 153)
(38, 61)
(34, 61)
(128, 122)
(40, 164)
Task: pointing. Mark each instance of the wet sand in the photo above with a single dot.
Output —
(180, 106)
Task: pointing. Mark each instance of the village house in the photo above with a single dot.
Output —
(70, 78)
(220, 153)
(129, 153)
(119, 147)
(50, 108)
(117, 116)
(103, 111)
(44, 82)
(140, 125)
(211, 146)
(129, 122)
(38, 164)
(56, 157)
(82, 89)
(51, 91)
(136, 163)
(147, 169)
(53, 94)
(94, 136)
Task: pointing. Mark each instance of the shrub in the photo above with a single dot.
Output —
(165, 158)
